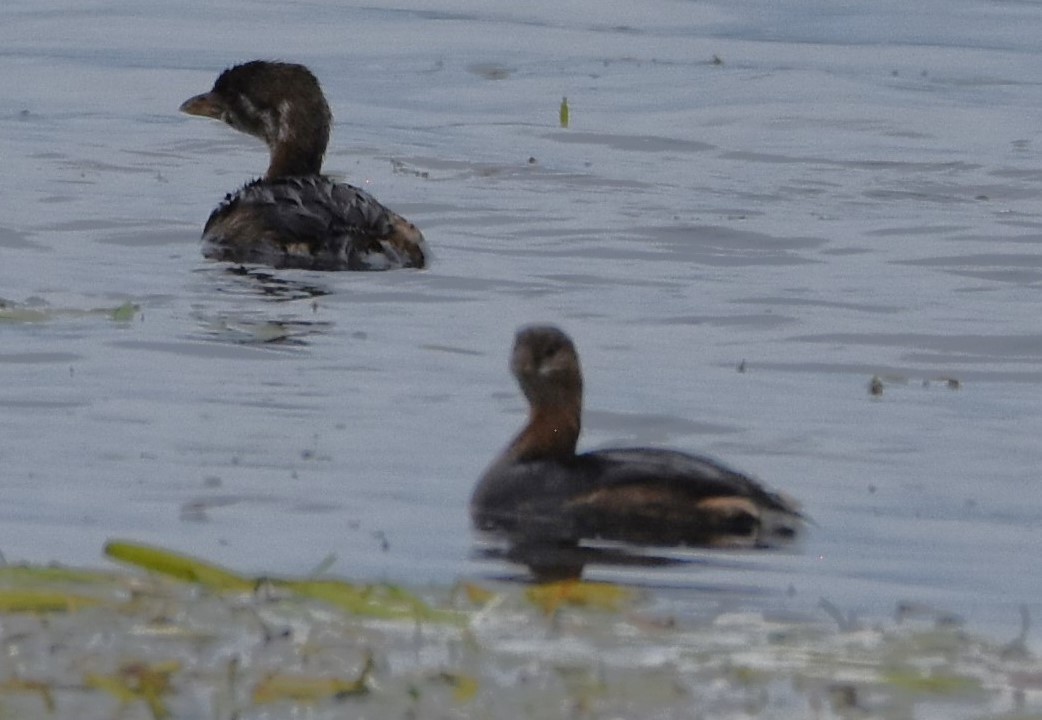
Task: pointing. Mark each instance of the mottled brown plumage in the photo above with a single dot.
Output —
(294, 216)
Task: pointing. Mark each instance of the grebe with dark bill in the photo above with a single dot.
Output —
(294, 216)
(539, 492)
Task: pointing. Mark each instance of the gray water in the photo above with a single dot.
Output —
(825, 191)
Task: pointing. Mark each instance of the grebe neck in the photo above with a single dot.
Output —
(290, 160)
(297, 137)
(551, 433)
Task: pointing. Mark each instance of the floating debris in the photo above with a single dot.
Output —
(137, 681)
(875, 386)
(550, 597)
(400, 168)
(475, 594)
(278, 687)
(464, 687)
(490, 70)
(40, 313)
(949, 382)
(125, 312)
(564, 112)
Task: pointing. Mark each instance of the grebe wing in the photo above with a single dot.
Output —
(666, 497)
(695, 476)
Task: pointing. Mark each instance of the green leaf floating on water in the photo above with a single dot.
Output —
(23, 315)
(28, 575)
(43, 601)
(380, 601)
(125, 312)
(27, 589)
(177, 566)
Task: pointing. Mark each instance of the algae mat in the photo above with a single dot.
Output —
(181, 638)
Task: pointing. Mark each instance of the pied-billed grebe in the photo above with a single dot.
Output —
(294, 216)
(540, 491)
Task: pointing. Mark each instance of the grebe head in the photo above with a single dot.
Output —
(280, 103)
(546, 366)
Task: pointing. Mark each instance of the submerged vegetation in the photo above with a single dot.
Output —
(180, 637)
(39, 313)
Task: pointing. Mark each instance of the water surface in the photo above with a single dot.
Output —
(821, 191)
